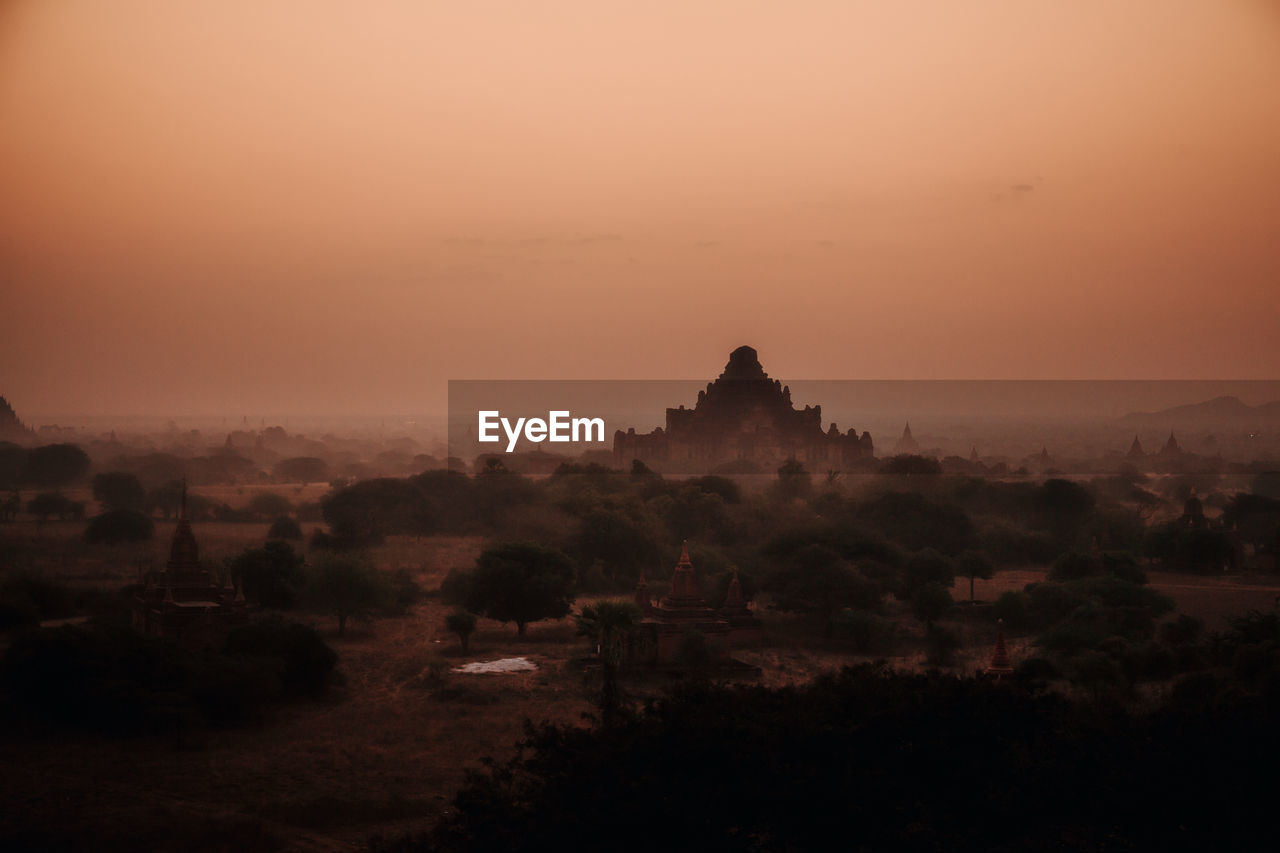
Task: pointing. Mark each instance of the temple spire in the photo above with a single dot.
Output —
(182, 509)
(642, 594)
(1000, 663)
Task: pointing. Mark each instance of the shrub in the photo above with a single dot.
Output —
(931, 602)
(271, 575)
(119, 525)
(867, 632)
(285, 527)
(941, 645)
(304, 661)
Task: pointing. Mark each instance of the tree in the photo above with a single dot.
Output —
(931, 602)
(818, 581)
(974, 565)
(302, 469)
(793, 480)
(271, 575)
(346, 586)
(119, 525)
(54, 466)
(928, 567)
(522, 583)
(906, 464)
(119, 490)
(463, 624)
(1266, 484)
(285, 527)
(167, 499)
(607, 622)
(305, 661)
(46, 504)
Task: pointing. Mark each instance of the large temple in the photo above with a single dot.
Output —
(184, 601)
(744, 422)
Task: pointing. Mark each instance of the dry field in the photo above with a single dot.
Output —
(387, 749)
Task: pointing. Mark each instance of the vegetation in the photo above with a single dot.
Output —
(271, 575)
(116, 682)
(988, 767)
(119, 525)
(346, 586)
(518, 582)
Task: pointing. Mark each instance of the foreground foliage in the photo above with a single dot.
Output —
(873, 761)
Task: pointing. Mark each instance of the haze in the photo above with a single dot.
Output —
(337, 207)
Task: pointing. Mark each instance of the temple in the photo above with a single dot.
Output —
(183, 601)
(1000, 664)
(744, 422)
(907, 444)
(682, 614)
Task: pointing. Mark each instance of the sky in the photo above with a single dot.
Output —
(336, 207)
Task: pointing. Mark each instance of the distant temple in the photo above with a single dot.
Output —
(11, 428)
(185, 602)
(1135, 449)
(1193, 516)
(907, 443)
(1171, 447)
(743, 419)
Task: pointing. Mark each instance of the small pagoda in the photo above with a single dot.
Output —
(1000, 664)
(681, 613)
(184, 601)
(744, 626)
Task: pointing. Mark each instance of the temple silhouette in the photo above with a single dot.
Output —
(184, 601)
(744, 422)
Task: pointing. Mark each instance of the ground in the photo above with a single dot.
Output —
(388, 748)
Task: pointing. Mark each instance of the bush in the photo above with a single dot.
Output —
(48, 598)
(117, 682)
(285, 527)
(941, 646)
(867, 632)
(931, 602)
(1014, 609)
(118, 490)
(463, 624)
(303, 661)
(119, 525)
(271, 575)
(928, 567)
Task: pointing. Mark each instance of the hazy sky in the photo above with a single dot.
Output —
(337, 206)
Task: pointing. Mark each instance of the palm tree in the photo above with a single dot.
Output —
(608, 623)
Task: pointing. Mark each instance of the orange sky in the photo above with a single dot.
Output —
(334, 206)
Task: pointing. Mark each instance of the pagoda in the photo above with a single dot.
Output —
(907, 444)
(744, 626)
(681, 613)
(184, 601)
(1000, 664)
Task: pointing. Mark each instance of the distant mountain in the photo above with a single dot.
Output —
(12, 429)
(1225, 411)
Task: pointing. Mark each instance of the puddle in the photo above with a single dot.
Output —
(500, 665)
